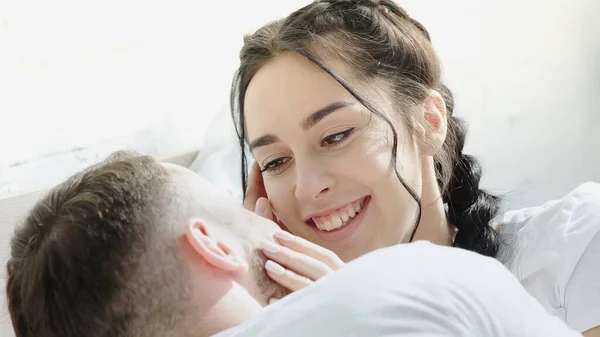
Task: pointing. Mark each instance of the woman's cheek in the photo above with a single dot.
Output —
(372, 161)
(279, 197)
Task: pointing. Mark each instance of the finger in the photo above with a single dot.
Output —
(306, 247)
(302, 264)
(263, 208)
(286, 278)
(255, 189)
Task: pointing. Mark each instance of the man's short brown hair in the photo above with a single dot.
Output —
(92, 258)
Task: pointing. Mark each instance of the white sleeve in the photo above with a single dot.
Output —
(554, 250)
(582, 293)
(577, 251)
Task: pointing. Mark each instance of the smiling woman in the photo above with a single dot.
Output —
(338, 125)
(321, 151)
(357, 148)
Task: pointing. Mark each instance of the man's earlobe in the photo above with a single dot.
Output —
(215, 252)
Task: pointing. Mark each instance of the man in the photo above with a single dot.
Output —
(132, 247)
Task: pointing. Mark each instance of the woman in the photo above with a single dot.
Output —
(357, 148)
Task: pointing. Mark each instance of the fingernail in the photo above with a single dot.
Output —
(284, 236)
(260, 207)
(269, 246)
(274, 268)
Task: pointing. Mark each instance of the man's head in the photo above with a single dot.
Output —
(133, 247)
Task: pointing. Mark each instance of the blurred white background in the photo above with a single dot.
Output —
(79, 80)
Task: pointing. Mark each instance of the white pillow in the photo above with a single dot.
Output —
(218, 158)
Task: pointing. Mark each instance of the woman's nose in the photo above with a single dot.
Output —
(313, 181)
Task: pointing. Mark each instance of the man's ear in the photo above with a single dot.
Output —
(435, 115)
(216, 253)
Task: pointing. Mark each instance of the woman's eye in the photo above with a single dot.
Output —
(336, 138)
(274, 165)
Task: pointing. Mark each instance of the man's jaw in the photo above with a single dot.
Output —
(267, 288)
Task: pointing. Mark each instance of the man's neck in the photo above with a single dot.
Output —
(232, 307)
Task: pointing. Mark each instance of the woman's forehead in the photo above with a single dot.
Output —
(289, 78)
(287, 89)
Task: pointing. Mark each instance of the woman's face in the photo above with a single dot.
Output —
(326, 159)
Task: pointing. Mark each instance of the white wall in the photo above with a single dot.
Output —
(78, 81)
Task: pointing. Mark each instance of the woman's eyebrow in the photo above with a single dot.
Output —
(306, 123)
(318, 115)
(263, 141)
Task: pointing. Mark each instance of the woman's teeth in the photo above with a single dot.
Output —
(339, 218)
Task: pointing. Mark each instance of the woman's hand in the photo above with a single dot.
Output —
(256, 196)
(296, 263)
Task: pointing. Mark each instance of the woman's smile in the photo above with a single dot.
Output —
(340, 224)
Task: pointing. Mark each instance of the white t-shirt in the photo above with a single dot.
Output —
(409, 290)
(554, 251)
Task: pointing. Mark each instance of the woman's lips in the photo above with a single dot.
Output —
(341, 231)
(340, 217)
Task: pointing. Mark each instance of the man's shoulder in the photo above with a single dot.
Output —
(419, 255)
(378, 294)
(396, 291)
